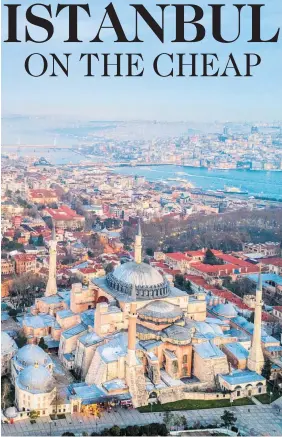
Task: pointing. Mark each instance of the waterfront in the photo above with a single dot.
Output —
(257, 183)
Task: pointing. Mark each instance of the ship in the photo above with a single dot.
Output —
(232, 190)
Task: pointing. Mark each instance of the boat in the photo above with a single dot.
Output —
(233, 190)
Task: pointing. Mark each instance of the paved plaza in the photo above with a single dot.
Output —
(264, 420)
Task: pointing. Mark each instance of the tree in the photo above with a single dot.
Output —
(211, 259)
(68, 433)
(109, 268)
(252, 317)
(266, 370)
(25, 289)
(21, 340)
(168, 419)
(114, 430)
(184, 422)
(177, 421)
(34, 414)
(40, 240)
(169, 249)
(5, 393)
(149, 251)
(228, 418)
(42, 344)
(179, 280)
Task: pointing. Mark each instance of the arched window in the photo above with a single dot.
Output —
(185, 359)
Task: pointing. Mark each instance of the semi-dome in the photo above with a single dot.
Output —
(225, 310)
(32, 354)
(208, 329)
(160, 310)
(8, 345)
(36, 379)
(149, 283)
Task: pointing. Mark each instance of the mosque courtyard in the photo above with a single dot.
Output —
(263, 420)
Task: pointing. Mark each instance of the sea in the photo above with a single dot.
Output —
(267, 184)
(258, 183)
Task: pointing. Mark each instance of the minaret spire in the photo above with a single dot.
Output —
(132, 322)
(51, 287)
(256, 359)
(138, 245)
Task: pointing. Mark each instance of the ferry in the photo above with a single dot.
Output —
(232, 190)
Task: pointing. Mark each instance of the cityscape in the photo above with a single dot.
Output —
(141, 280)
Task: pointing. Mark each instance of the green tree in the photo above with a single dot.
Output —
(114, 430)
(184, 422)
(109, 268)
(179, 280)
(177, 421)
(168, 419)
(169, 249)
(149, 251)
(211, 259)
(40, 240)
(266, 370)
(132, 430)
(21, 340)
(42, 344)
(34, 414)
(228, 418)
(68, 433)
(252, 317)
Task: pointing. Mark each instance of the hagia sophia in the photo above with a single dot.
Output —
(132, 336)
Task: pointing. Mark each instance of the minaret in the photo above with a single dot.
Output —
(138, 245)
(256, 359)
(132, 321)
(51, 287)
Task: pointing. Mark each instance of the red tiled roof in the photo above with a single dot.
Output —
(273, 261)
(278, 308)
(220, 270)
(231, 297)
(24, 257)
(42, 193)
(172, 272)
(87, 270)
(63, 213)
(198, 280)
(178, 256)
(195, 252)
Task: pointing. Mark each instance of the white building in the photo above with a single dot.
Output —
(8, 350)
(35, 389)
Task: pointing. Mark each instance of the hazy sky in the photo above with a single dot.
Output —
(149, 97)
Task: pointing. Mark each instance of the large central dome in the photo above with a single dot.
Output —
(149, 283)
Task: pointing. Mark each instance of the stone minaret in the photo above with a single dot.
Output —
(51, 287)
(132, 321)
(256, 360)
(138, 245)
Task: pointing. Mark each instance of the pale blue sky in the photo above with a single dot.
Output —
(149, 97)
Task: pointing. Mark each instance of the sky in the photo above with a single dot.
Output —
(149, 97)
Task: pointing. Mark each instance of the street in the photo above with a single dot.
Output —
(252, 420)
